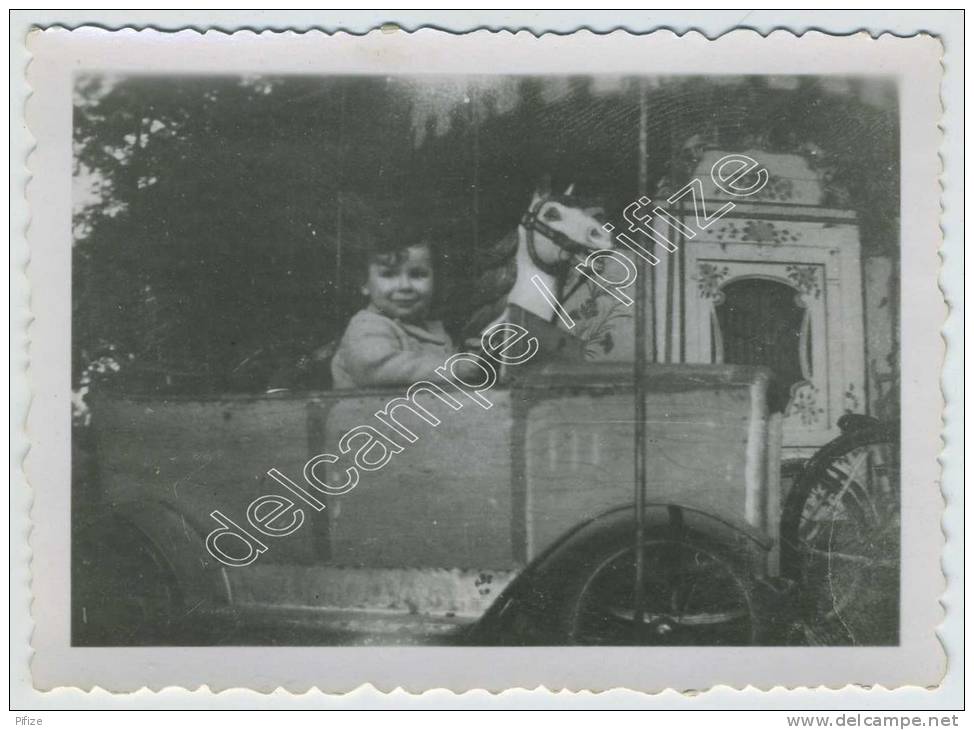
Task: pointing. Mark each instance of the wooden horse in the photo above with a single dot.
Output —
(522, 271)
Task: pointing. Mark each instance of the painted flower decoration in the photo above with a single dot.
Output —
(597, 316)
(804, 405)
(805, 279)
(757, 231)
(709, 278)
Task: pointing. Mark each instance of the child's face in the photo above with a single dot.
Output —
(400, 285)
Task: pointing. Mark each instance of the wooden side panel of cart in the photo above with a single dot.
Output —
(445, 501)
(488, 488)
(706, 446)
(200, 455)
(493, 488)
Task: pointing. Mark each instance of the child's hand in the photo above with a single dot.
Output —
(466, 370)
(472, 345)
(475, 346)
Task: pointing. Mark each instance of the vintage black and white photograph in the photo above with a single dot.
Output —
(504, 360)
(484, 361)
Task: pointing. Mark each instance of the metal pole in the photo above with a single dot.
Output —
(639, 394)
(339, 212)
(475, 124)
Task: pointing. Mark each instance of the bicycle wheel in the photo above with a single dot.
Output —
(841, 539)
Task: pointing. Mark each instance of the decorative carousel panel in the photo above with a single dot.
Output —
(791, 314)
(799, 178)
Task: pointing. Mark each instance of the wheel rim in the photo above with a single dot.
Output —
(692, 596)
(848, 547)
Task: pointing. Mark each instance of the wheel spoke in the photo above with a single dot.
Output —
(847, 537)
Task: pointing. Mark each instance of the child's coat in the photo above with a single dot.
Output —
(379, 351)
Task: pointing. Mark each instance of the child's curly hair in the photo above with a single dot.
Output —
(386, 238)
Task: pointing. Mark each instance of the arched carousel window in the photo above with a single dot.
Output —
(764, 322)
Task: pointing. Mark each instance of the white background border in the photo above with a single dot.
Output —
(946, 25)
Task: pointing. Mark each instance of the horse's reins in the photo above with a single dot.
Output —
(533, 224)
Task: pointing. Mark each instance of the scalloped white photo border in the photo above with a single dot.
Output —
(55, 54)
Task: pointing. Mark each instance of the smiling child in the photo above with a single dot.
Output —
(392, 341)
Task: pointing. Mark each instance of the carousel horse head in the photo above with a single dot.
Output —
(555, 232)
(559, 228)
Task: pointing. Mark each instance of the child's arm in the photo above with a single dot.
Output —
(372, 354)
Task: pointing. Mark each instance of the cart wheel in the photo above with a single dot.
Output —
(123, 593)
(695, 593)
(840, 532)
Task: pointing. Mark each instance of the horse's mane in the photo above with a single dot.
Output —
(496, 273)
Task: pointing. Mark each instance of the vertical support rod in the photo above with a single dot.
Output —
(475, 124)
(339, 208)
(639, 394)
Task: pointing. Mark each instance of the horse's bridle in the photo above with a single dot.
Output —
(533, 224)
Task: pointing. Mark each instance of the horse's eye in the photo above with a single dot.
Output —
(551, 214)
